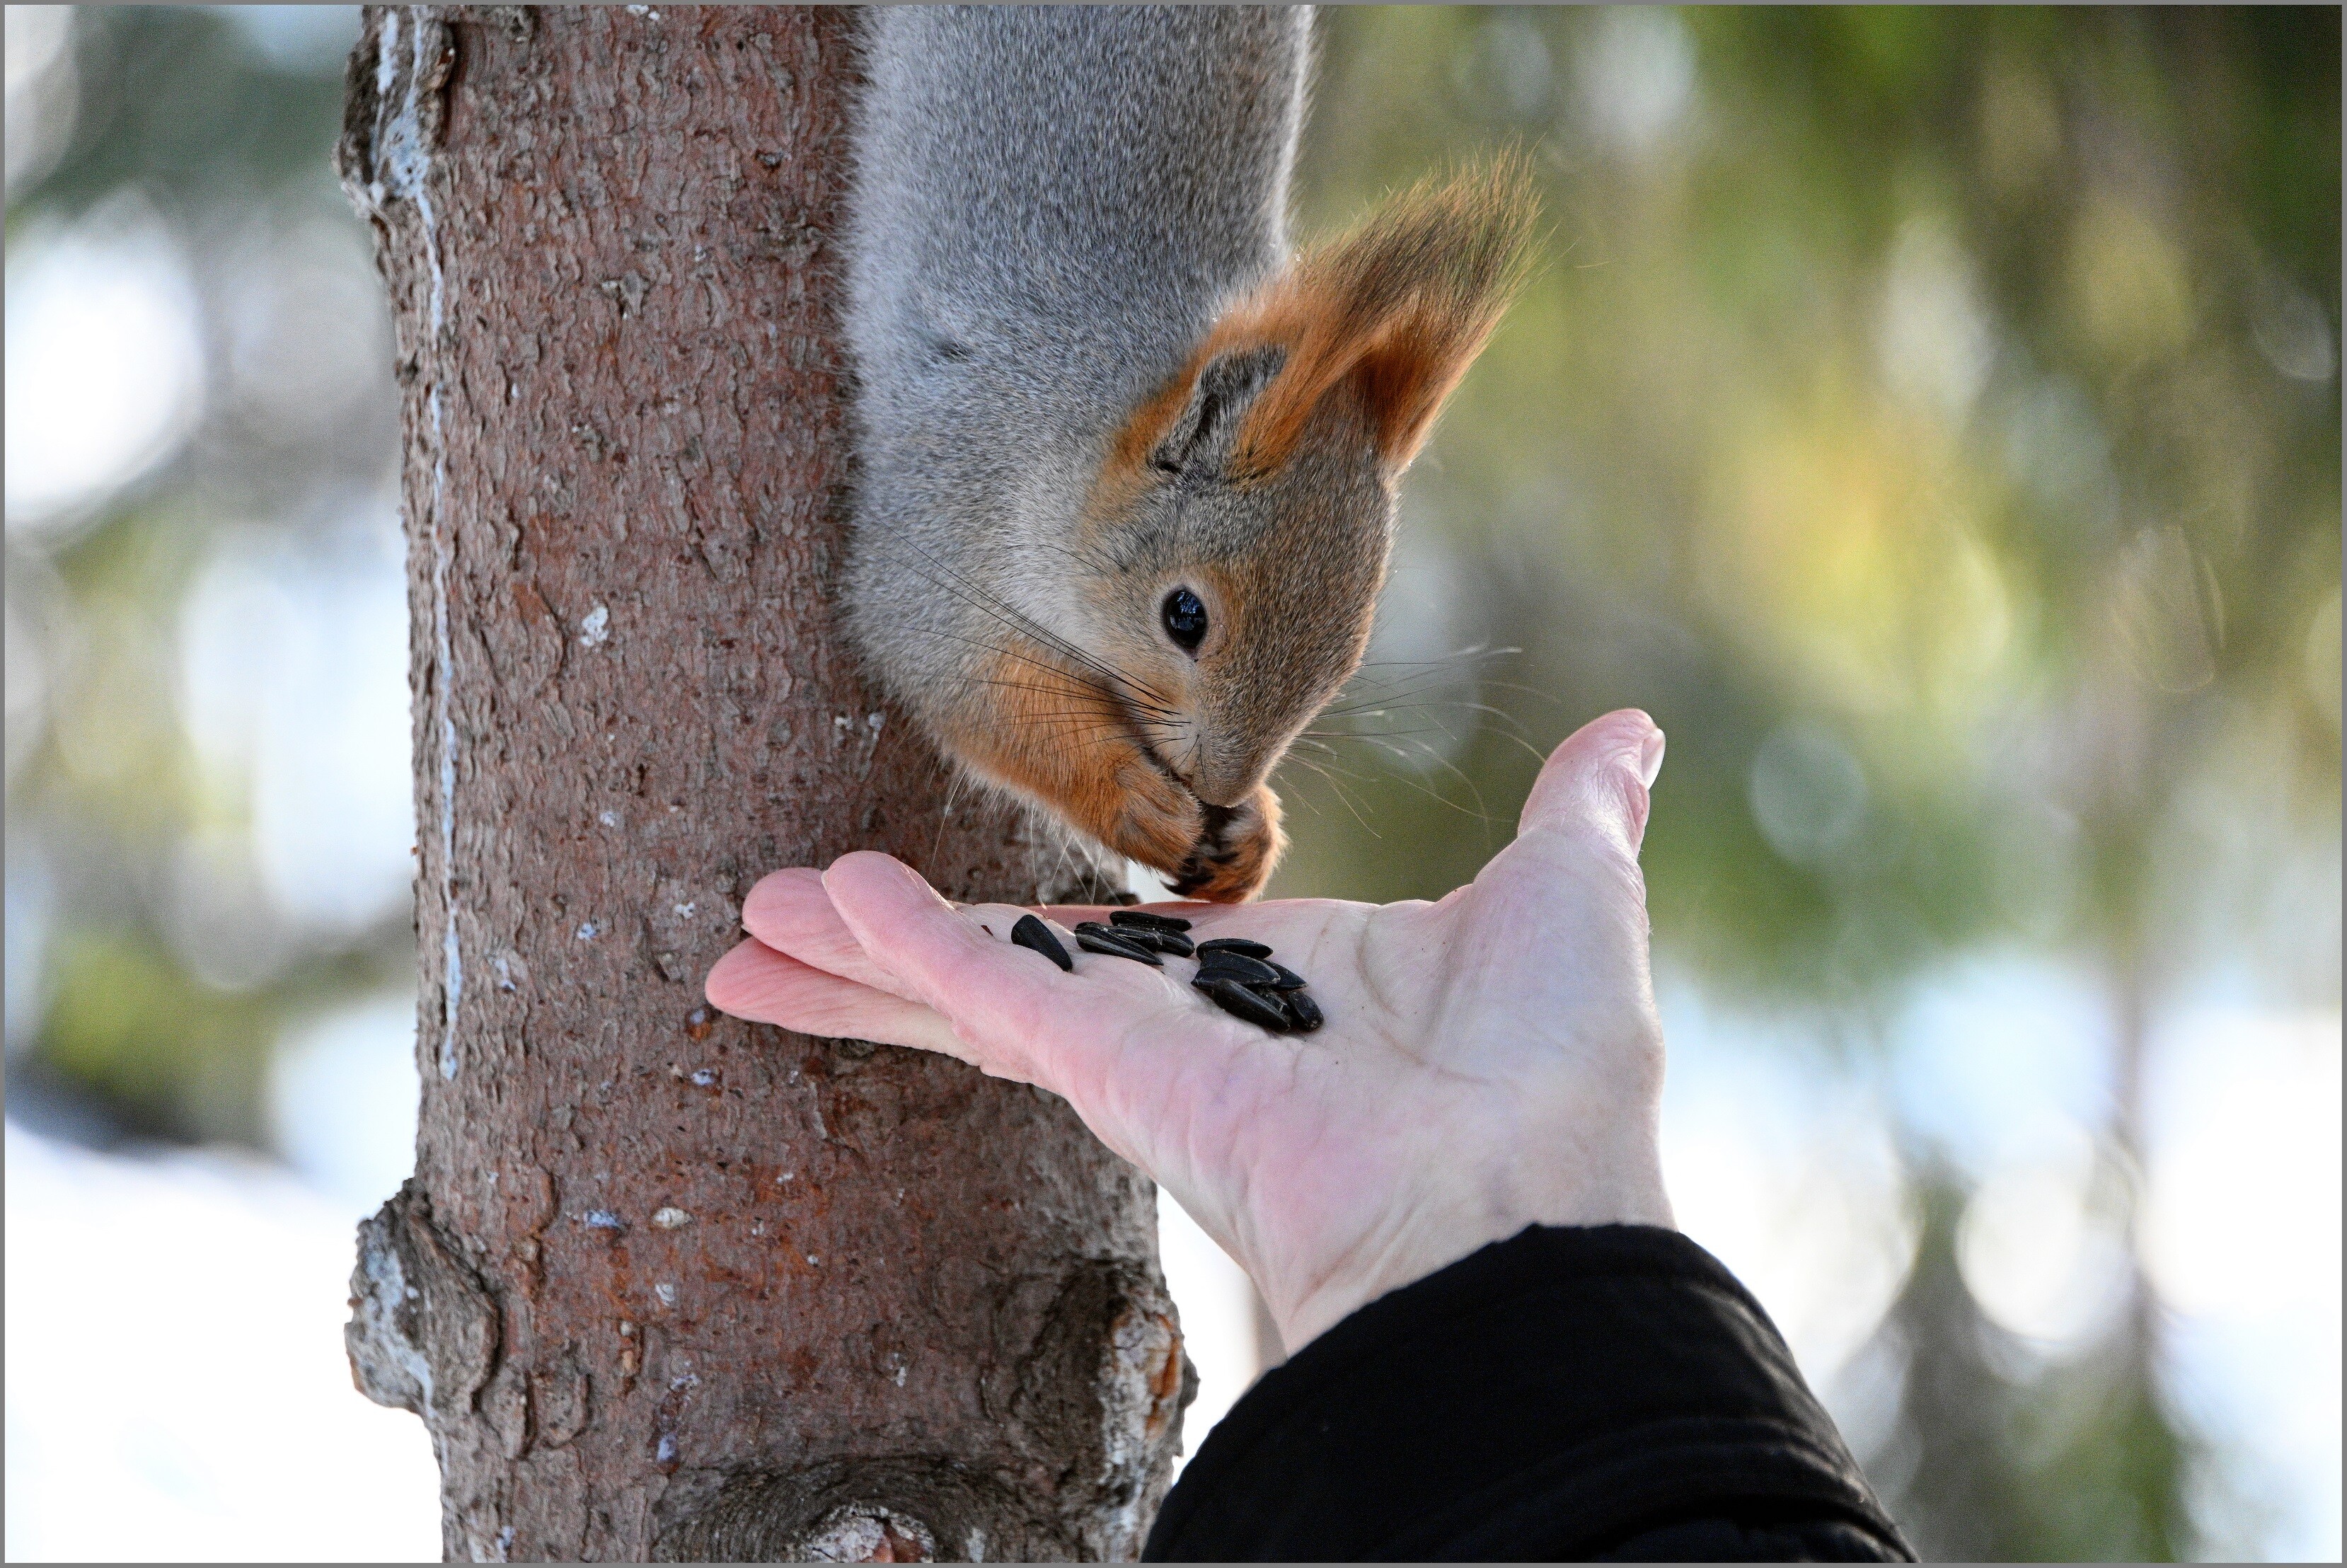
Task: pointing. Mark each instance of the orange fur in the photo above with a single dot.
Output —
(1398, 307)
(1055, 736)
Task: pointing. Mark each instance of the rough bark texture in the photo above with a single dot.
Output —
(666, 1286)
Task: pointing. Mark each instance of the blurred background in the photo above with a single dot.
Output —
(1931, 417)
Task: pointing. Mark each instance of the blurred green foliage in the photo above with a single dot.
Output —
(177, 115)
(179, 102)
(1893, 388)
(2077, 1463)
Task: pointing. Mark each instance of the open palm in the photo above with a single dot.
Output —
(1490, 1061)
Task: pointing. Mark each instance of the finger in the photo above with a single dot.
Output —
(790, 912)
(1597, 780)
(1569, 889)
(767, 912)
(1004, 1002)
(755, 982)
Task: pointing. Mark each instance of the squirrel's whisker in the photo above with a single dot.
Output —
(993, 605)
(1347, 799)
(1012, 653)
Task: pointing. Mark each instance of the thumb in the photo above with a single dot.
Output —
(1598, 778)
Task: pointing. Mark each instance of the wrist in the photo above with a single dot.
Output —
(1625, 1186)
(1636, 1198)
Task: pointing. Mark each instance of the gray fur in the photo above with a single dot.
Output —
(1050, 207)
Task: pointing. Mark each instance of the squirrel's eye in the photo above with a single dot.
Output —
(1185, 618)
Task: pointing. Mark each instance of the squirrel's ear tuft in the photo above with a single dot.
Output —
(1220, 397)
(1397, 310)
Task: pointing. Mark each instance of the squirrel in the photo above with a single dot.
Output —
(1127, 464)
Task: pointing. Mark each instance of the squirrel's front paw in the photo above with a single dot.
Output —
(1235, 851)
(1155, 820)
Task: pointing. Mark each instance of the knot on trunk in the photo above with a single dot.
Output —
(423, 1334)
(900, 1508)
(1095, 1397)
(1106, 1380)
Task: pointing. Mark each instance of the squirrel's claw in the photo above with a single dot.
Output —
(1237, 848)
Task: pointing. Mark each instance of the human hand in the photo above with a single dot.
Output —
(1490, 1061)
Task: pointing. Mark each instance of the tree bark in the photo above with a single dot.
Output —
(666, 1286)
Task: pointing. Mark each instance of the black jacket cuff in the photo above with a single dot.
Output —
(1565, 1394)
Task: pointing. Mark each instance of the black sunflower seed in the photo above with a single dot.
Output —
(1139, 937)
(1143, 918)
(1238, 944)
(1173, 942)
(1284, 979)
(1237, 967)
(1304, 1014)
(1033, 934)
(1101, 942)
(1240, 1002)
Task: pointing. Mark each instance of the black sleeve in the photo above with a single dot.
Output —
(1600, 1393)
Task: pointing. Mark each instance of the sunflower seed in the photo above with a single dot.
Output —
(1033, 934)
(1139, 937)
(1284, 979)
(1101, 942)
(1237, 967)
(1238, 944)
(1240, 1002)
(1172, 942)
(1304, 1014)
(1143, 918)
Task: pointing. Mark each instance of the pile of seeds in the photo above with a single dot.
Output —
(1237, 975)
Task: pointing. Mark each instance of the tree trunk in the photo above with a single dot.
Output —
(666, 1286)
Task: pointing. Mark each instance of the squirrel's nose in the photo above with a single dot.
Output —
(1219, 768)
(1221, 780)
(1188, 767)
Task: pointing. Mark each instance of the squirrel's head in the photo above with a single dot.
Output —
(1241, 524)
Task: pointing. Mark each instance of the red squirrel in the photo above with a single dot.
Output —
(1128, 464)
